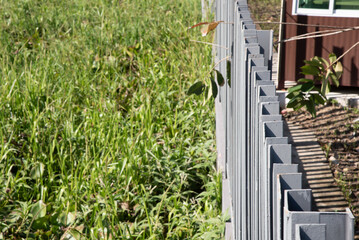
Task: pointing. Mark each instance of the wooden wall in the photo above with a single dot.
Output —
(295, 52)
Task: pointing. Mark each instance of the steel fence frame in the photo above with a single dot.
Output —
(262, 190)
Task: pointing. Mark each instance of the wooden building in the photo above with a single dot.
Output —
(305, 16)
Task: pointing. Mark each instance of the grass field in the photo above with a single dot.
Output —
(98, 139)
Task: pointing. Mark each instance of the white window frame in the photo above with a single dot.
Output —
(331, 12)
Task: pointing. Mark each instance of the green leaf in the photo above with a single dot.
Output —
(325, 84)
(338, 67)
(214, 87)
(293, 95)
(319, 99)
(295, 88)
(40, 223)
(38, 210)
(67, 219)
(298, 106)
(229, 72)
(338, 70)
(73, 233)
(295, 101)
(37, 171)
(297, 98)
(310, 106)
(310, 70)
(334, 79)
(322, 60)
(305, 80)
(315, 62)
(306, 87)
(197, 88)
(220, 78)
(332, 57)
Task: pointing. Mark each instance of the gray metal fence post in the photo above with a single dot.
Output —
(261, 187)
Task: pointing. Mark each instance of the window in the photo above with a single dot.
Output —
(316, 4)
(334, 8)
(346, 4)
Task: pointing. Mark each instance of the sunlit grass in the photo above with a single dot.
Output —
(97, 137)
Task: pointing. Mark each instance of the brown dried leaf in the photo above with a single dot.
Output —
(125, 206)
(210, 26)
(198, 24)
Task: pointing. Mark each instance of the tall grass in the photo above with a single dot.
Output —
(97, 137)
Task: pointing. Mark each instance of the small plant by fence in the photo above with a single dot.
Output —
(262, 188)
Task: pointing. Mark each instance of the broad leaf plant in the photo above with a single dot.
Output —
(312, 92)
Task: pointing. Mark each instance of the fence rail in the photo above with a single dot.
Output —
(262, 189)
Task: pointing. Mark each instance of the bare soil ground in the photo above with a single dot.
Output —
(337, 131)
(266, 11)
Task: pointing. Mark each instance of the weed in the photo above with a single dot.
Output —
(344, 186)
(326, 148)
(333, 102)
(97, 138)
(355, 110)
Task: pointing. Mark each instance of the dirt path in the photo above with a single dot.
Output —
(332, 166)
(317, 174)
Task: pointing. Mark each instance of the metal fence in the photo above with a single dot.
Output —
(262, 189)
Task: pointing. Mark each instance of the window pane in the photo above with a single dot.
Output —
(346, 4)
(317, 4)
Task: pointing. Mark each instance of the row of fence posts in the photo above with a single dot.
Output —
(262, 190)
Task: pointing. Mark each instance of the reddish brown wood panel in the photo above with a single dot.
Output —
(295, 52)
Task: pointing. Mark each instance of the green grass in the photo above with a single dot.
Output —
(97, 137)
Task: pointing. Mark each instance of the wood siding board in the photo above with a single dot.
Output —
(295, 52)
